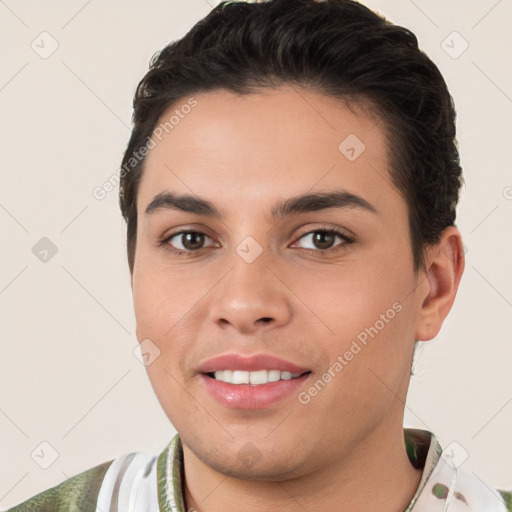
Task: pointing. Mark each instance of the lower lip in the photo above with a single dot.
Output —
(247, 396)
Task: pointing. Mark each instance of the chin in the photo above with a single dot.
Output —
(247, 460)
(268, 468)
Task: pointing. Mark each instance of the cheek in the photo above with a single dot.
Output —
(166, 312)
(348, 299)
(161, 296)
(159, 306)
(366, 312)
(148, 299)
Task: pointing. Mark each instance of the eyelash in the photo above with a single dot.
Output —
(331, 231)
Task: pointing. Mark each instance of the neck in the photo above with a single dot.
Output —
(377, 466)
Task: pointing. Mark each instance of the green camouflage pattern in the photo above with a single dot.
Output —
(76, 494)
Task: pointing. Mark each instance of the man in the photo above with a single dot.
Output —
(289, 189)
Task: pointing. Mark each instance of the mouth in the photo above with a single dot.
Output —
(251, 381)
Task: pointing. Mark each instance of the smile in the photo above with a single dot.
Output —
(252, 377)
(251, 381)
(247, 395)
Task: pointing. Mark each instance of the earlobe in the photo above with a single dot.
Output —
(444, 268)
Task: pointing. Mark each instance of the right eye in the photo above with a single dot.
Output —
(186, 241)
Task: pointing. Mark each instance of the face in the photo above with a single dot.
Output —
(263, 283)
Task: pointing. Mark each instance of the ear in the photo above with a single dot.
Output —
(444, 265)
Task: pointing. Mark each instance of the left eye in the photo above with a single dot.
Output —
(323, 239)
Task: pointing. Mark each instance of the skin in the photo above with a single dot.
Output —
(244, 154)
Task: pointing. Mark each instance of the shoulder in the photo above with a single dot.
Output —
(445, 482)
(77, 493)
(108, 486)
(452, 485)
(507, 498)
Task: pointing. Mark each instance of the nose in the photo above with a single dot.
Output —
(251, 297)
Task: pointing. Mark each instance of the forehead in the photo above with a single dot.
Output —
(274, 143)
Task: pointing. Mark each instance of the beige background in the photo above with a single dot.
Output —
(68, 374)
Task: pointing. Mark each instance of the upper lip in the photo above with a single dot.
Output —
(249, 363)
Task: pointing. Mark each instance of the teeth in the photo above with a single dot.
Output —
(240, 377)
(255, 378)
(274, 375)
(259, 377)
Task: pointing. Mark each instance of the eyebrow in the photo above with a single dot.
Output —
(294, 205)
